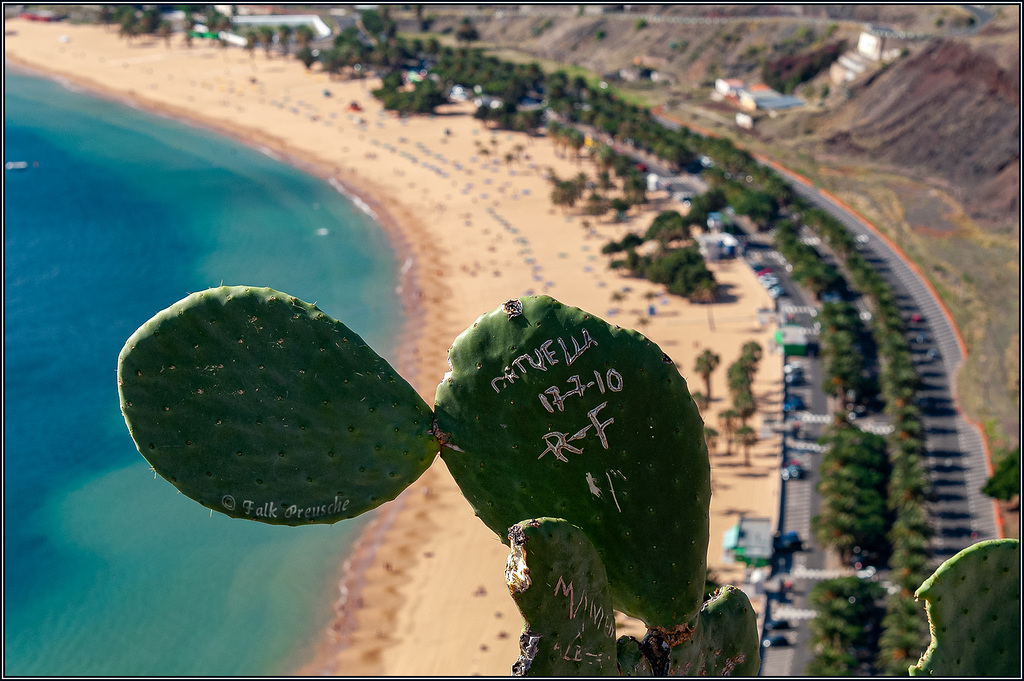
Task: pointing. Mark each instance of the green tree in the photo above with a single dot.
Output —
(304, 35)
(305, 55)
(266, 34)
(284, 36)
(728, 421)
(711, 438)
(705, 365)
(466, 32)
(164, 31)
(747, 437)
(1005, 481)
(251, 40)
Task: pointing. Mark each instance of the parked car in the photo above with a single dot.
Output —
(769, 280)
(772, 625)
(831, 297)
(776, 291)
(795, 377)
(775, 641)
(793, 403)
(916, 318)
(861, 560)
(793, 471)
(787, 541)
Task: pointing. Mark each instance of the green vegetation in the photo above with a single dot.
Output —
(846, 624)
(1005, 481)
(347, 433)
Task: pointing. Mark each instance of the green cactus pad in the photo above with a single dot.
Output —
(260, 406)
(973, 606)
(724, 642)
(561, 589)
(550, 411)
(631, 660)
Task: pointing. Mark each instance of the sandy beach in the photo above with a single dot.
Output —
(424, 591)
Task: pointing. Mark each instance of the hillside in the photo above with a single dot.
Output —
(926, 146)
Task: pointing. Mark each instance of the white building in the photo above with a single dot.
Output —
(321, 29)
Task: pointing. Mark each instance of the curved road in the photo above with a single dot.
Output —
(955, 452)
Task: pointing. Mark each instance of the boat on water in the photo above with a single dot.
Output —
(16, 165)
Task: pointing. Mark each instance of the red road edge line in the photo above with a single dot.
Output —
(660, 111)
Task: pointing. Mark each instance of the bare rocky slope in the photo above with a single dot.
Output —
(948, 110)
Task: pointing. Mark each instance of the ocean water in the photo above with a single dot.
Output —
(108, 571)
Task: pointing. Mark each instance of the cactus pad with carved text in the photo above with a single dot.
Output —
(551, 411)
(561, 589)
(973, 606)
(260, 406)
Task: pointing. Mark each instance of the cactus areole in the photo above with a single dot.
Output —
(260, 406)
(550, 411)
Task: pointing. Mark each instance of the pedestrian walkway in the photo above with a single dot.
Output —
(804, 446)
(787, 308)
(801, 572)
(788, 612)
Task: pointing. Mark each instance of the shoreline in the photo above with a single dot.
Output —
(363, 551)
(423, 591)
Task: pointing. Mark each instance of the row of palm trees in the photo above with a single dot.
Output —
(845, 629)
(267, 35)
(732, 421)
(904, 629)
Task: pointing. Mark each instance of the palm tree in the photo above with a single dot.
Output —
(129, 28)
(251, 40)
(267, 38)
(727, 419)
(188, 24)
(304, 35)
(164, 31)
(711, 438)
(284, 35)
(747, 438)
(744, 404)
(705, 291)
(705, 365)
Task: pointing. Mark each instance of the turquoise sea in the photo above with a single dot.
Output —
(108, 571)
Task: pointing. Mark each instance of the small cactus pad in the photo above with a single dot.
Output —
(724, 642)
(260, 406)
(631, 660)
(561, 589)
(550, 411)
(973, 606)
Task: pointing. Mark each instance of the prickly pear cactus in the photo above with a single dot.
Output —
(973, 606)
(724, 642)
(260, 406)
(550, 411)
(631, 659)
(561, 589)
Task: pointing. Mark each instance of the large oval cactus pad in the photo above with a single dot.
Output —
(973, 606)
(550, 411)
(260, 406)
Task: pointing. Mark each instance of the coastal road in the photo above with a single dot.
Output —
(955, 452)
